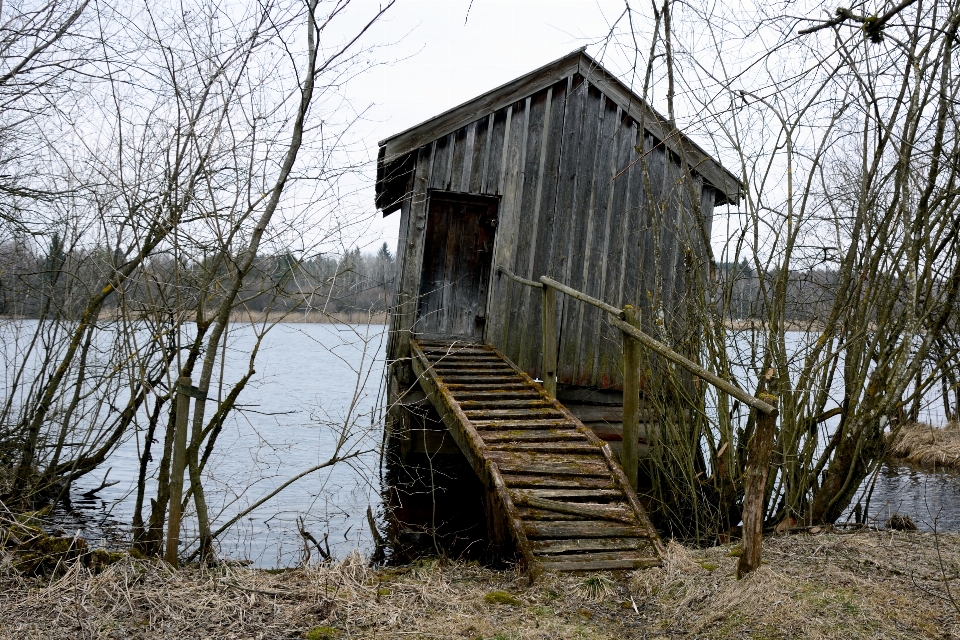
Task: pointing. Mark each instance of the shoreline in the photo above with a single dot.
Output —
(927, 447)
(258, 317)
(865, 584)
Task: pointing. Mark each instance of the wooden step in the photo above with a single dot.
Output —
(481, 365)
(523, 425)
(582, 470)
(570, 512)
(486, 395)
(516, 414)
(579, 545)
(506, 403)
(532, 436)
(447, 372)
(569, 494)
(545, 447)
(513, 385)
(582, 529)
(598, 562)
(478, 378)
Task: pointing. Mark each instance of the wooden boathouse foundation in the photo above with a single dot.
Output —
(548, 230)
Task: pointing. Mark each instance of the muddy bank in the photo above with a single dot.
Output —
(927, 446)
(864, 585)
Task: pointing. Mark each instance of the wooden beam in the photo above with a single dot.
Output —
(177, 466)
(549, 340)
(692, 367)
(598, 511)
(759, 452)
(631, 398)
(582, 297)
(516, 278)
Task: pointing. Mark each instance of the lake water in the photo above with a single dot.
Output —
(314, 382)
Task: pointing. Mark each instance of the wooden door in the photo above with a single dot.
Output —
(456, 266)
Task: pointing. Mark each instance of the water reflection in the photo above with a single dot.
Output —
(929, 498)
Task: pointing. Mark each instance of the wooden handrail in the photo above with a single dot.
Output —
(694, 368)
(582, 297)
(650, 342)
(516, 278)
(627, 320)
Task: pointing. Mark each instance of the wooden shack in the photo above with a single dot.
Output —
(564, 172)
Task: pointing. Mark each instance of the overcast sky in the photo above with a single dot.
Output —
(445, 57)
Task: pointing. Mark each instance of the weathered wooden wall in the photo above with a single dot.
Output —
(569, 208)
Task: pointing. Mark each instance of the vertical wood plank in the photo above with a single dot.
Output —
(503, 301)
(599, 375)
(596, 242)
(401, 255)
(759, 451)
(609, 365)
(459, 143)
(542, 244)
(631, 399)
(413, 258)
(522, 319)
(462, 183)
(566, 196)
(442, 161)
(498, 132)
(580, 230)
(487, 131)
(548, 308)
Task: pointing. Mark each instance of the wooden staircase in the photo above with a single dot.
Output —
(558, 488)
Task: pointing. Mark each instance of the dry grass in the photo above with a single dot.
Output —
(864, 585)
(927, 446)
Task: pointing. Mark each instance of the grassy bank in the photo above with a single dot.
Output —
(927, 446)
(862, 585)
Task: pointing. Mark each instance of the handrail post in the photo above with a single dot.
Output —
(631, 398)
(759, 451)
(176, 471)
(549, 321)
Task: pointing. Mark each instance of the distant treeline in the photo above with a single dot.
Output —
(58, 282)
(810, 295)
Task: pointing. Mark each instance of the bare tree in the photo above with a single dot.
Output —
(198, 137)
(835, 285)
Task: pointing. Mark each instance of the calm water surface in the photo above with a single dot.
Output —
(314, 383)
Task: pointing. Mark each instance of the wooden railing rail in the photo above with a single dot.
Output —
(619, 315)
(516, 278)
(655, 345)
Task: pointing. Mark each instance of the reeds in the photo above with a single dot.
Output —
(864, 585)
(928, 446)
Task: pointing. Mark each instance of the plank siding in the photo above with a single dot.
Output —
(525, 229)
(565, 220)
(412, 252)
(481, 148)
(598, 247)
(569, 208)
(541, 243)
(578, 268)
(510, 218)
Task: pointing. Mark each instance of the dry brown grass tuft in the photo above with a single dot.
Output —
(927, 446)
(863, 585)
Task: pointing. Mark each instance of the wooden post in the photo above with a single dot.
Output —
(759, 451)
(631, 398)
(177, 466)
(549, 311)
